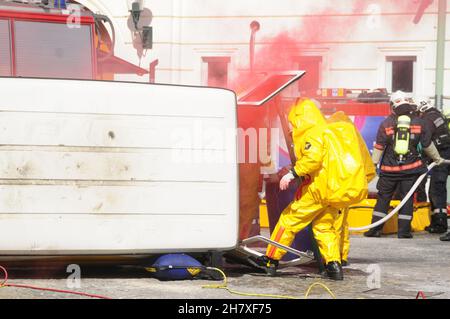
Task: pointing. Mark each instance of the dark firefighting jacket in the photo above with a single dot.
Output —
(412, 163)
(437, 124)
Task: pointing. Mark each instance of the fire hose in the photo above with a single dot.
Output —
(402, 203)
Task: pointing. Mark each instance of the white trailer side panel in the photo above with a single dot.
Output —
(89, 167)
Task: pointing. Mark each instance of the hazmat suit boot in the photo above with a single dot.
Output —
(266, 263)
(373, 233)
(345, 263)
(446, 237)
(438, 224)
(333, 270)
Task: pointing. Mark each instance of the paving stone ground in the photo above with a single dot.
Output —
(380, 268)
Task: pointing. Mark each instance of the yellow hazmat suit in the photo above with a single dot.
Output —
(341, 224)
(330, 163)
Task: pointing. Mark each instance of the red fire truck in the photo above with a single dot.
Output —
(44, 41)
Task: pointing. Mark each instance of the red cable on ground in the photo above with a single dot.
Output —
(5, 284)
(420, 294)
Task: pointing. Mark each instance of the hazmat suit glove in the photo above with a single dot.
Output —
(285, 181)
(432, 152)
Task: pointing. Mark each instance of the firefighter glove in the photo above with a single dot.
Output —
(433, 153)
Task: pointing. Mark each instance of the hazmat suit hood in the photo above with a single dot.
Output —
(304, 116)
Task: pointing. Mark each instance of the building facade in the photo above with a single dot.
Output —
(345, 44)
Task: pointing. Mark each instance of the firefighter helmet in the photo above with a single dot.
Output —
(399, 98)
(423, 104)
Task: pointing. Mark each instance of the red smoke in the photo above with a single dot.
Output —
(332, 25)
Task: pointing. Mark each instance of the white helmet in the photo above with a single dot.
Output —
(399, 98)
(423, 104)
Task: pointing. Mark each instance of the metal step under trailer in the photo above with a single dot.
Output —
(249, 256)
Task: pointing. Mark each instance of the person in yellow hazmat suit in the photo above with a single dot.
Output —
(330, 168)
(341, 224)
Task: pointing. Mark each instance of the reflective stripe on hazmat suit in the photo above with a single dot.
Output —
(334, 178)
(341, 224)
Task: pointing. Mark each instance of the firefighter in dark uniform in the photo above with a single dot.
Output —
(396, 151)
(437, 124)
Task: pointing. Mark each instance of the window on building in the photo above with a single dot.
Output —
(217, 71)
(401, 73)
(310, 82)
(50, 50)
(5, 49)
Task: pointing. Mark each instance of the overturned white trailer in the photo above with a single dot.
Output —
(114, 168)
